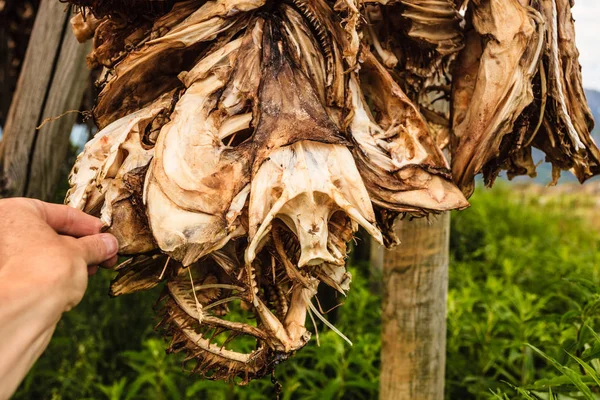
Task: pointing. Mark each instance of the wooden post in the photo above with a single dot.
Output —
(377, 255)
(415, 279)
(52, 81)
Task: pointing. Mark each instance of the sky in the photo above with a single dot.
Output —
(587, 25)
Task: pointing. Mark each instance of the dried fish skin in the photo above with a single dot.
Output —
(241, 92)
(398, 116)
(420, 38)
(114, 38)
(436, 22)
(304, 50)
(290, 110)
(332, 40)
(84, 27)
(139, 273)
(128, 221)
(466, 69)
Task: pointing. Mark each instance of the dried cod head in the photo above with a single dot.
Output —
(243, 143)
(517, 84)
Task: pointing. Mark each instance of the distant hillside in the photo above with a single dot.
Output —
(593, 97)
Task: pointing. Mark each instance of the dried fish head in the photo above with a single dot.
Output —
(398, 159)
(108, 176)
(106, 157)
(198, 184)
(515, 86)
(304, 185)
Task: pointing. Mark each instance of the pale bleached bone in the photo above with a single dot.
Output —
(335, 276)
(296, 316)
(189, 154)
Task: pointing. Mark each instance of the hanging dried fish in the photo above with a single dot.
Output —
(243, 143)
(517, 84)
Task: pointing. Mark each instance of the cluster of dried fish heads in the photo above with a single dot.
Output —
(242, 144)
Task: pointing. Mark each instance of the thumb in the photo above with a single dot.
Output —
(98, 248)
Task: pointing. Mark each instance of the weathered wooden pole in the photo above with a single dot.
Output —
(52, 81)
(415, 288)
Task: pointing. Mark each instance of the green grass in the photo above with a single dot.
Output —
(522, 323)
(524, 271)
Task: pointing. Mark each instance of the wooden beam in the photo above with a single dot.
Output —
(376, 255)
(415, 280)
(52, 81)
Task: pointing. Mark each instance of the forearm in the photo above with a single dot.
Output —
(28, 317)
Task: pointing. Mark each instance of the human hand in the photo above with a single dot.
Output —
(46, 254)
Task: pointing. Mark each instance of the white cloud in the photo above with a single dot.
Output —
(587, 25)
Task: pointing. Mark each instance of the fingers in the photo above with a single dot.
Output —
(110, 263)
(98, 249)
(106, 264)
(69, 221)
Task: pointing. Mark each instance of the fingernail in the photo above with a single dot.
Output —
(112, 246)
